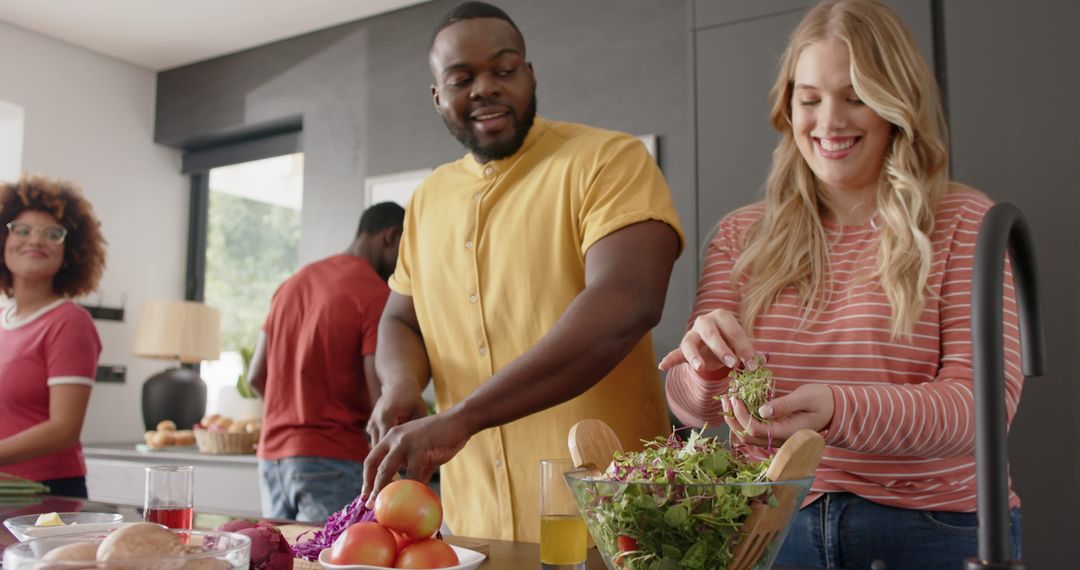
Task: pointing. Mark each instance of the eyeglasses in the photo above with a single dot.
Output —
(53, 234)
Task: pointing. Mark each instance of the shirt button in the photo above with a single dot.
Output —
(473, 299)
(488, 171)
(468, 244)
(498, 462)
(483, 351)
(476, 196)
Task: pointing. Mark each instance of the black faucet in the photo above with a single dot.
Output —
(1002, 228)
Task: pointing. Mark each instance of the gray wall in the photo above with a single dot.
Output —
(696, 74)
(1012, 84)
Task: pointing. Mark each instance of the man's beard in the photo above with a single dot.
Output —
(495, 151)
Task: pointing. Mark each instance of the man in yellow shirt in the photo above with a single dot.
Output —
(530, 273)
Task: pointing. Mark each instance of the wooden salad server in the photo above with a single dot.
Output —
(796, 459)
(593, 445)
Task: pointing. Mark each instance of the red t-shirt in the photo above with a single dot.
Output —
(56, 345)
(322, 322)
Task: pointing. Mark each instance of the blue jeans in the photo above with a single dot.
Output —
(841, 530)
(308, 489)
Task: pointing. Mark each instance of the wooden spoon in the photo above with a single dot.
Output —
(593, 445)
(796, 459)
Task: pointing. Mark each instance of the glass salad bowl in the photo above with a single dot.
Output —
(201, 550)
(645, 525)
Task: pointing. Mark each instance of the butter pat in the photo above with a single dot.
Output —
(49, 519)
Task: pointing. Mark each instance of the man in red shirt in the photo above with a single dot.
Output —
(314, 365)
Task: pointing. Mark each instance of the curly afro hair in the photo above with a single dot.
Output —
(84, 246)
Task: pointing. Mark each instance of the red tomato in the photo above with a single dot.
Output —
(364, 543)
(410, 508)
(624, 544)
(401, 540)
(430, 553)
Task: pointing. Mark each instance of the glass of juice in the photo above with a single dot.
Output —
(169, 495)
(562, 532)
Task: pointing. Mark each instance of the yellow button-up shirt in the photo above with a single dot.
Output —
(492, 254)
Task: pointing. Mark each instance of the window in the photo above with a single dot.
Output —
(252, 245)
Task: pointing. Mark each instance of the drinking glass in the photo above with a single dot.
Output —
(562, 532)
(169, 495)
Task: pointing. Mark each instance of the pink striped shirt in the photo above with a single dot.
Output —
(904, 426)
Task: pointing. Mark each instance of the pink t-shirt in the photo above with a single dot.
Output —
(56, 345)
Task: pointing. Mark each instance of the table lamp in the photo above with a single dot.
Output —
(184, 332)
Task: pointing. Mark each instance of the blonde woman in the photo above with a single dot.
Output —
(53, 251)
(853, 277)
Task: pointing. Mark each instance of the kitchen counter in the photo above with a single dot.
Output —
(189, 454)
(501, 555)
(223, 483)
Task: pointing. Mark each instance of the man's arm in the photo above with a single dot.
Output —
(372, 381)
(626, 279)
(401, 367)
(257, 368)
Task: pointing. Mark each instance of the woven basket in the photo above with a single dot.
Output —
(223, 443)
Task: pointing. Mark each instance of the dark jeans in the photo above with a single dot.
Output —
(841, 530)
(69, 487)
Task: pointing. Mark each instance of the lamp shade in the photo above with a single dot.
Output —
(183, 331)
(186, 331)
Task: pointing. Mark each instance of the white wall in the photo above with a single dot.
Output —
(89, 119)
(11, 140)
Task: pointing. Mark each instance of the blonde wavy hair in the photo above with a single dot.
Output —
(788, 245)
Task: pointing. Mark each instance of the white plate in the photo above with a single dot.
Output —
(469, 559)
(23, 528)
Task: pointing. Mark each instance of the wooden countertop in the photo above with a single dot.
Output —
(501, 555)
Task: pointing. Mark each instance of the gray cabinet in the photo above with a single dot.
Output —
(223, 483)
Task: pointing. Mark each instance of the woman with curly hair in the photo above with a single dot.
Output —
(852, 278)
(53, 251)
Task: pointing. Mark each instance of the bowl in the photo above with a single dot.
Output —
(658, 525)
(22, 527)
(206, 550)
(469, 560)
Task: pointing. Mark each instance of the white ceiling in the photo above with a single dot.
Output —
(162, 34)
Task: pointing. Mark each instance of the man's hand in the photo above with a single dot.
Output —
(397, 404)
(810, 406)
(418, 446)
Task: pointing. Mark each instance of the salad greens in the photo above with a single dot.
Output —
(681, 506)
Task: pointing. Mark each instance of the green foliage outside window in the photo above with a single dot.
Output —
(251, 248)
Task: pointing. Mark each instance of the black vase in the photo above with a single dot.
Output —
(176, 394)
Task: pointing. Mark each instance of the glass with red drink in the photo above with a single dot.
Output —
(169, 495)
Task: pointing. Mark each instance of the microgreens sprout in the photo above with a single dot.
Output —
(754, 387)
